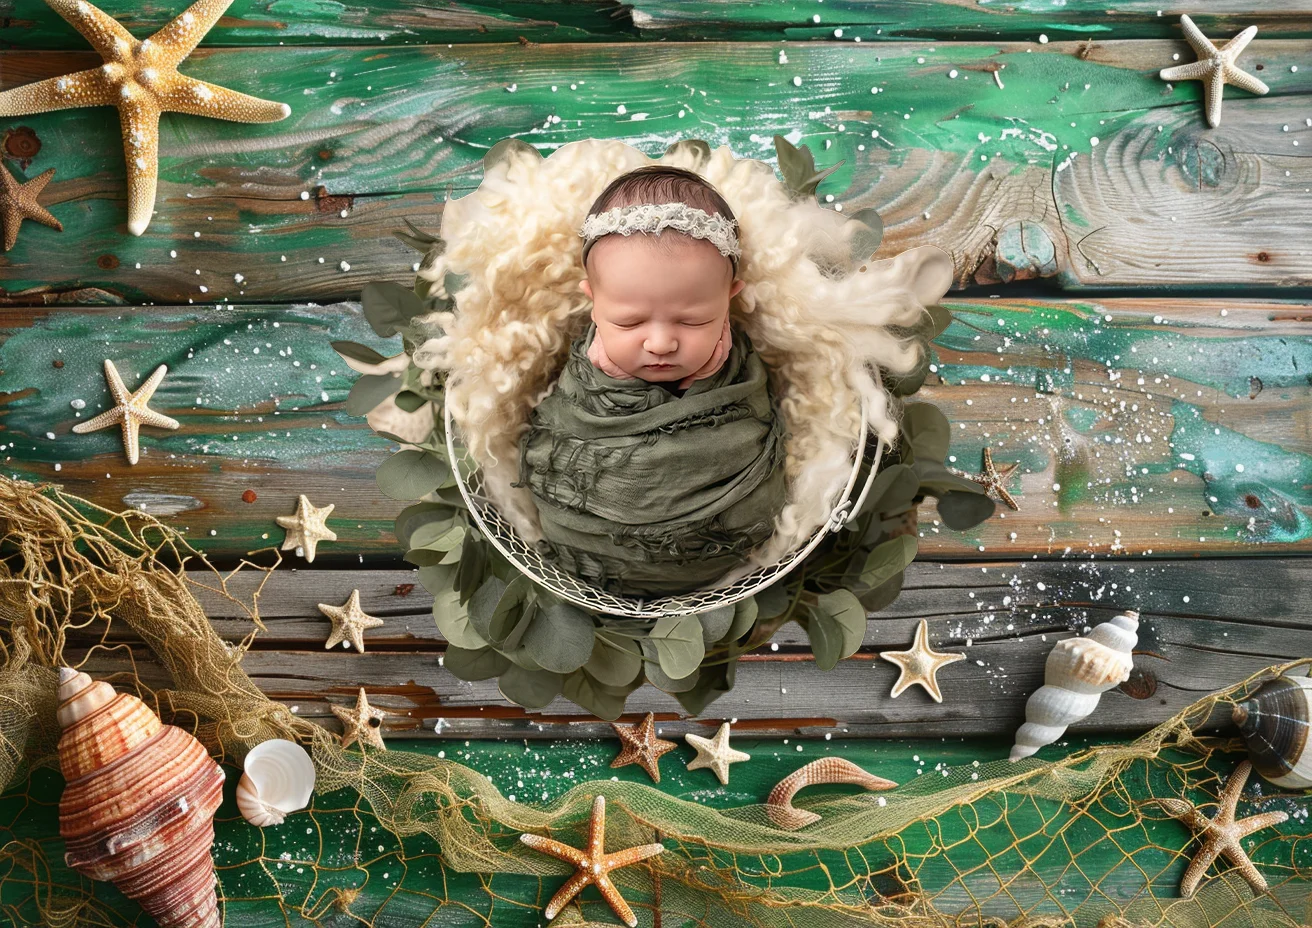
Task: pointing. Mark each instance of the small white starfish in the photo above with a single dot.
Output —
(307, 528)
(1215, 67)
(349, 621)
(358, 723)
(715, 753)
(130, 410)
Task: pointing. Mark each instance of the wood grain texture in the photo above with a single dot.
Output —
(1142, 427)
(1007, 178)
(1204, 625)
(401, 22)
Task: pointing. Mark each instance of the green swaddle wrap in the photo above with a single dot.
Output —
(645, 493)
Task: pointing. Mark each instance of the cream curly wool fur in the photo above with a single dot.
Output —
(820, 324)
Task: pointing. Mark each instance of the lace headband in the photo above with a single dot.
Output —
(652, 217)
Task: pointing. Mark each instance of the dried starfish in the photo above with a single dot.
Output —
(1215, 67)
(920, 665)
(307, 528)
(779, 806)
(359, 723)
(641, 746)
(715, 753)
(18, 202)
(1221, 835)
(994, 480)
(130, 410)
(349, 621)
(141, 79)
(593, 865)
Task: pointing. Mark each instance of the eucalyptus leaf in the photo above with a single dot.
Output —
(453, 621)
(826, 638)
(866, 238)
(744, 618)
(883, 595)
(902, 384)
(532, 689)
(561, 637)
(484, 603)
(514, 640)
(409, 401)
(472, 664)
(411, 474)
(713, 683)
(422, 557)
(388, 306)
(773, 600)
(888, 559)
(413, 516)
(613, 662)
(369, 390)
(436, 578)
(797, 165)
(847, 611)
(678, 643)
(941, 318)
(928, 429)
(894, 488)
(658, 678)
(508, 613)
(438, 536)
(715, 623)
(473, 566)
(937, 480)
(961, 511)
(356, 352)
(586, 692)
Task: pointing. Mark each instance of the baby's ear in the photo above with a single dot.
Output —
(586, 286)
(737, 285)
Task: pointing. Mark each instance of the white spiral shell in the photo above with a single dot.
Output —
(279, 779)
(1078, 671)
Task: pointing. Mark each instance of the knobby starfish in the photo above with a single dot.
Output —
(1215, 67)
(994, 480)
(349, 622)
(593, 865)
(307, 528)
(358, 723)
(18, 202)
(715, 753)
(1221, 835)
(130, 410)
(641, 746)
(920, 665)
(141, 79)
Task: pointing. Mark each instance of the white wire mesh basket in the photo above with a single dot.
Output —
(499, 531)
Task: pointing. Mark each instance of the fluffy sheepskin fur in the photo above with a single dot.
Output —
(820, 323)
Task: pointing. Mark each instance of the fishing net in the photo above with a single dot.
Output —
(404, 837)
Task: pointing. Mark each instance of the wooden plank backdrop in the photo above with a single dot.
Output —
(1133, 318)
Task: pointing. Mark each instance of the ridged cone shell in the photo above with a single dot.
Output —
(1078, 671)
(1274, 723)
(138, 808)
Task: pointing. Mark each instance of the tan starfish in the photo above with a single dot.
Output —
(715, 753)
(920, 665)
(141, 79)
(641, 746)
(18, 202)
(349, 621)
(1222, 834)
(358, 723)
(994, 480)
(130, 410)
(593, 865)
(307, 528)
(1215, 67)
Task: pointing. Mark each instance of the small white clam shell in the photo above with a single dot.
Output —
(279, 779)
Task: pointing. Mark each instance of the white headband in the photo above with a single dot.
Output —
(652, 217)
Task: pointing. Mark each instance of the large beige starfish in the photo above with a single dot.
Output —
(130, 410)
(141, 79)
(920, 665)
(641, 746)
(1222, 834)
(593, 865)
(358, 723)
(715, 753)
(1215, 67)
(307, 528)
(18, 202)
(349, 621)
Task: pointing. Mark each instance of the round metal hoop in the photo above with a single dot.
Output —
(498, 530)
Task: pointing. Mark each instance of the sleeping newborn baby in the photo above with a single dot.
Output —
(656, 461)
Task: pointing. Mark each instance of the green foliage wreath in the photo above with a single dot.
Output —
(501, 624)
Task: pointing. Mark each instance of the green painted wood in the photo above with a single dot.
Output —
(1008, 179)
(1140, 412)
(403, 22)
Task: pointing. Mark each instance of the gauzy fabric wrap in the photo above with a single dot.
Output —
(645, 493)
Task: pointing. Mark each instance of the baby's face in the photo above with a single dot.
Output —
(659, 315)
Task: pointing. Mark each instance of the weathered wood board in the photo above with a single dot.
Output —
(1067, 161)
(1204, 625)
(1144, 427)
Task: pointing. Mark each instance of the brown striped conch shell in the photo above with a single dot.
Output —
(278, 779)
(1274, 722)
(779, 806)
(138, 808)
(1078, 671)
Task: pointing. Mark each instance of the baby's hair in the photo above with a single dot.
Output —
(661, 183)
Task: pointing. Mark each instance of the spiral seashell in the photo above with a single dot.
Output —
(1274, 723)
(1078, 671)
(138, 808)
(278, 779)
(779, 806)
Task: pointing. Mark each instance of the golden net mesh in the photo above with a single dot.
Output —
(1071, 842)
